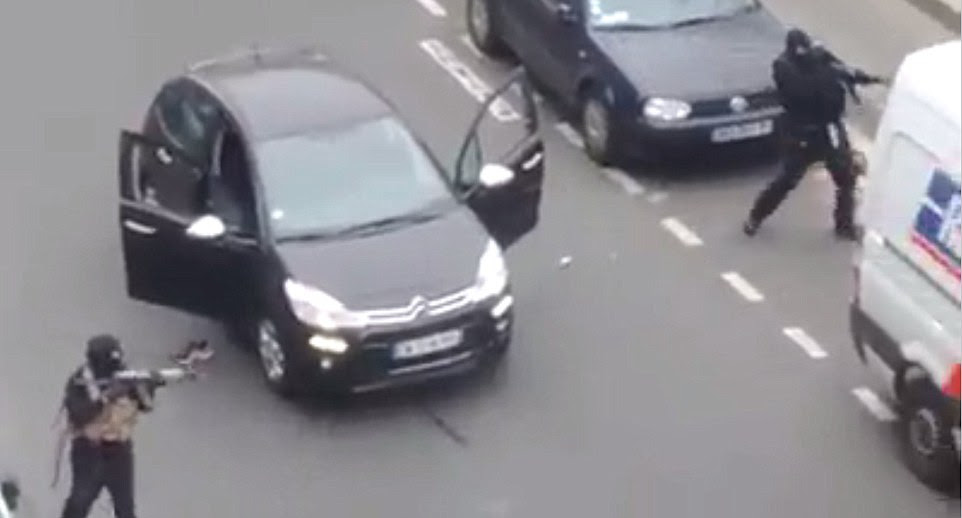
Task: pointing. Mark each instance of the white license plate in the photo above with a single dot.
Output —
(427, 345)
(742, 131)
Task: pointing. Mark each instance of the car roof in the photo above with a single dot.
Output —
(273, 94)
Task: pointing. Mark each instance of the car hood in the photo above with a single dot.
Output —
(388, 269)
(702, 61)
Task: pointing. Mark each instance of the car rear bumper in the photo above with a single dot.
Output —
(640, 138)
(370, 365)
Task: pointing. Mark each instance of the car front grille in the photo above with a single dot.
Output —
(722, 106)
(419, 307)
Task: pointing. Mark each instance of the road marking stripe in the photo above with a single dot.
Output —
(743, 287)
(470, 45)
(629, 184)
(680, 231)
(807, 343)
(657, 197)
(433, 7)
(570, 134)
(474, 85)
(874, 404)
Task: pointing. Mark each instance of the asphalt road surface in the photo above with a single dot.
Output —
(673, 368)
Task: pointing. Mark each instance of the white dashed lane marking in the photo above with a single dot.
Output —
(470, 45)
(570, 135)
(806, 342)
(469, 80)
(681, 232)
(874, 404)
(657, 197)
(743, 287)
(433, 7)
(621, 179)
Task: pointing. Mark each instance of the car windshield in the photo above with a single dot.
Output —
(324, 182)
(662, 13)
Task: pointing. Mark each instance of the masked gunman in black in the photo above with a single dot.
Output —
(102, 415)
(812, 85)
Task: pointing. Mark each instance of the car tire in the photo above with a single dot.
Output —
(926, 437)
(596, 128)
(483, 31)
(279, 366)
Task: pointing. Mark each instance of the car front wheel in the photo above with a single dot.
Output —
(926, 436)
(483, 30)
(596, 128)
(279, 367)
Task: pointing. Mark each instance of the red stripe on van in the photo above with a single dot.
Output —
(936, 255)
(952, 387)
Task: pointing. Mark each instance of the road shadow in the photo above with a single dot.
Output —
(427, 401)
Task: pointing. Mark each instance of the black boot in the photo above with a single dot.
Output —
(750, 227)
(846, 232)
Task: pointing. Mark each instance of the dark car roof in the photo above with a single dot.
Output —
(274, 94)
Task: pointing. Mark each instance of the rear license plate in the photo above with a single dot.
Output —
(426, 345)
(742, 131)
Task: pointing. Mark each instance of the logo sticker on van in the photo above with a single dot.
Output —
(937, 228)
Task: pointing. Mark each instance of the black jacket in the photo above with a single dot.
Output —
(82, 407)
(814, 93)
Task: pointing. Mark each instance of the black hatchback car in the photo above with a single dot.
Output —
(645, 79)
(280, 193)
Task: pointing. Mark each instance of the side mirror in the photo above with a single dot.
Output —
(493, 176)
(206, 228)
(10, 491)
(566, 14)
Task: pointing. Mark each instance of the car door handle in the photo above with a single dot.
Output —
(163, 155)
(532, 162)
(139, 228)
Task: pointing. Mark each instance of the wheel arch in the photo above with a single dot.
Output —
(918, 364)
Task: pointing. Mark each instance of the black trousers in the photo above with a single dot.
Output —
(802, 149)
(98, 466)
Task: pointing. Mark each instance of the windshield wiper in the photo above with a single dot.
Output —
(380, 224)
(695, 21)
(363, 228)
(627, 27)
(715, 17)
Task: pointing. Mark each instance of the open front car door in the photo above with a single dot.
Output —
(500, 168)
(162, 225)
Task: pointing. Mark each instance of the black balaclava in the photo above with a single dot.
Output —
(104, 355)
(798, 46)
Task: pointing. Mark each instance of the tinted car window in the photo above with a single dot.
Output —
(164, 179)
(346, 176)
(660, 13)
(188, 120)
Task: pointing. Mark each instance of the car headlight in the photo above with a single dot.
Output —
(318, 309)
(667, 110)
(492, 277)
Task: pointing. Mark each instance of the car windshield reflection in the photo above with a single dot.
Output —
(370, 171)
(633, 14)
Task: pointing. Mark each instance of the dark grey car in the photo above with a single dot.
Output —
(645, 79)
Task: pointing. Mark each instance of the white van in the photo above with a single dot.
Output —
(906, 312)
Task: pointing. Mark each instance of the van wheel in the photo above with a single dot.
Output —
(483, 30)
(926, 437)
